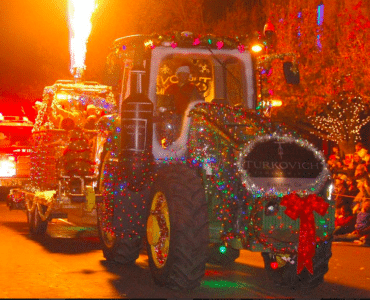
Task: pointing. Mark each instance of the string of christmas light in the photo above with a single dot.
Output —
(123, 210)
(126, 187)
(123, 46)
(185, 39)
(62, 159)
(343, 119)
(79, 96)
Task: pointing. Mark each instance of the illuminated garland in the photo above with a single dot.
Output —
(235, 124)
(106, 208)
(186, 39)
(42, 115)
(250, 184)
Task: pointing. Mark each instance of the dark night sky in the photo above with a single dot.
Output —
(34, 42)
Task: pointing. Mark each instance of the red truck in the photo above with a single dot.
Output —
(15, 151)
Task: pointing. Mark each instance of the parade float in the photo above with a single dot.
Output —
(64, 164)
(199, 187)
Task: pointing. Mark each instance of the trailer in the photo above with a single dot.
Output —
(65, 156)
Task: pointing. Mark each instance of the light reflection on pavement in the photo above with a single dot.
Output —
(60, 228)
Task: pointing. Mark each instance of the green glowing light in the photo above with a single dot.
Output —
(222, 249)
(220, 284)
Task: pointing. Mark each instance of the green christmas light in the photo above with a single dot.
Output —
(222, 249)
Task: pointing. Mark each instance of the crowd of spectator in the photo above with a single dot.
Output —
(352, 194)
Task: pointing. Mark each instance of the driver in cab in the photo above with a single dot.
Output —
(183, 92)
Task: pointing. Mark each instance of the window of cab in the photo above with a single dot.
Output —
(219, 78)
(201, 74)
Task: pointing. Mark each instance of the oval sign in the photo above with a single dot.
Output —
(273, 164)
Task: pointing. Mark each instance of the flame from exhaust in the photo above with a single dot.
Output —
(79, 15)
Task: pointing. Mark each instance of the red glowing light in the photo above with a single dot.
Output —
(196, 41)
(220, 44)
(241, 48)
(274, 265)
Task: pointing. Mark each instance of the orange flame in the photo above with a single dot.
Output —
(79, 15)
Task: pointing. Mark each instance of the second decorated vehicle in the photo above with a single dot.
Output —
(64, 157)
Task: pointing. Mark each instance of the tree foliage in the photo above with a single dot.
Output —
(165, 16)
(333, 62)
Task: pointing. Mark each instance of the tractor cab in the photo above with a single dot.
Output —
(215, 71)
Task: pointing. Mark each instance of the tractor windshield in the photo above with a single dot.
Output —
(217, 78)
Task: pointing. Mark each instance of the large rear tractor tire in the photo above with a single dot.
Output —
(121, 248)
(124, 250)
(285, 275)
(177, 229)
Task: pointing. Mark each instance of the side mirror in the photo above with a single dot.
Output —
(291, 75)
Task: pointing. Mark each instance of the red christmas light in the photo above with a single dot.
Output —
(274, 265)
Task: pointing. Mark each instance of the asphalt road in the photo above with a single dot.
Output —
(68, 263)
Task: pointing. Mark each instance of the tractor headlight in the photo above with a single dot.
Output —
(327, 191)
(272, 208)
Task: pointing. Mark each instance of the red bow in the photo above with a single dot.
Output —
(297, 207)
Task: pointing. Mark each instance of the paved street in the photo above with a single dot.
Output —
(69, 263)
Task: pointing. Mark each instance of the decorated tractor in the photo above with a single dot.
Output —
(65, 156)
(197, 186)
